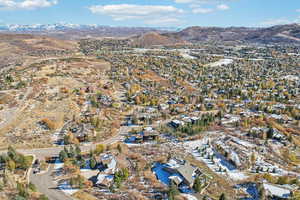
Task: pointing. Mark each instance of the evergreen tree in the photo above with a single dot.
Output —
(72, 152)
(173, 191)
(222, 197)
(197, 185)
(93, 163)
(261, 192)
(63, 155)
(77, 150)
(12, 154)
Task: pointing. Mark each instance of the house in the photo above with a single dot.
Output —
(150, 136)
(108, 167)
(80, 132)
(176, 123)
(276, 191)
(147, 135)
(182, 172)
(163, 106)
(104, 180)
(108, 163)
(230, 119)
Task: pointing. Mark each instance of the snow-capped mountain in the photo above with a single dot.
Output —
(45, 27)
(63, 27)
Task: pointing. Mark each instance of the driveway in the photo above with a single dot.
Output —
(44, 183)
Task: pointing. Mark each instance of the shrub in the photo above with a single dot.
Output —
(49, 123)
(99, 149)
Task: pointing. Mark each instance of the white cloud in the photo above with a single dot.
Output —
(298, 10)
(198, 9)
(202, 10)
(222, 7)
(26, 4)
(149, 14)
(202, 1)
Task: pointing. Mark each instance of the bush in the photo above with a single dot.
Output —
(99, 149)
(173, 191)
(197, 185)
(282, 180)
(93, 163)
(43, 197)
(32, 187)
(49, 123)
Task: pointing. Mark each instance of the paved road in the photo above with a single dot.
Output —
(44, 183)
(54, 151)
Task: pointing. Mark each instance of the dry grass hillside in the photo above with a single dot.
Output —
(154, 38)
(16, 48)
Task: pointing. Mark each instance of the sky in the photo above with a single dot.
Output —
(152, 13)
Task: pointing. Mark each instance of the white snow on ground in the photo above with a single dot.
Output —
(243, 143)
(58, 164)
(55, 136)
(189, 197)
(277, 191)
(221, 62)
(232, 172)
(185, 54)
(291, 78)
(66, 188)
(237, 175)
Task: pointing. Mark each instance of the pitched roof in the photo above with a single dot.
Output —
(187, 171)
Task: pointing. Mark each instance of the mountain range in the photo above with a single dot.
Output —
(280, 34)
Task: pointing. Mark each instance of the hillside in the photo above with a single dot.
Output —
(15, 47)
(276, 34)
(154, 38)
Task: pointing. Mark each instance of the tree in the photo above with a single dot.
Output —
(270, 133)
(12, 154)
(18, 197)
(99, 149)
(93, 163)
(11, 165)
(222, 197)
(22, 191)
(197, 185)
(43, 197)
(67, 139)
(262, 192)
(24, 162)
(125, 173)
(119, 147)
(283, 180)
(81, 162)
(63, 155)
(32, 187)
(72, 152)
(77, 150)
(253, 158)
(173, 191)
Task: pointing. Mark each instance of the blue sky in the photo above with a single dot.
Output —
(177, 13)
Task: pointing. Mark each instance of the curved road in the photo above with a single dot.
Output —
(44, 182)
